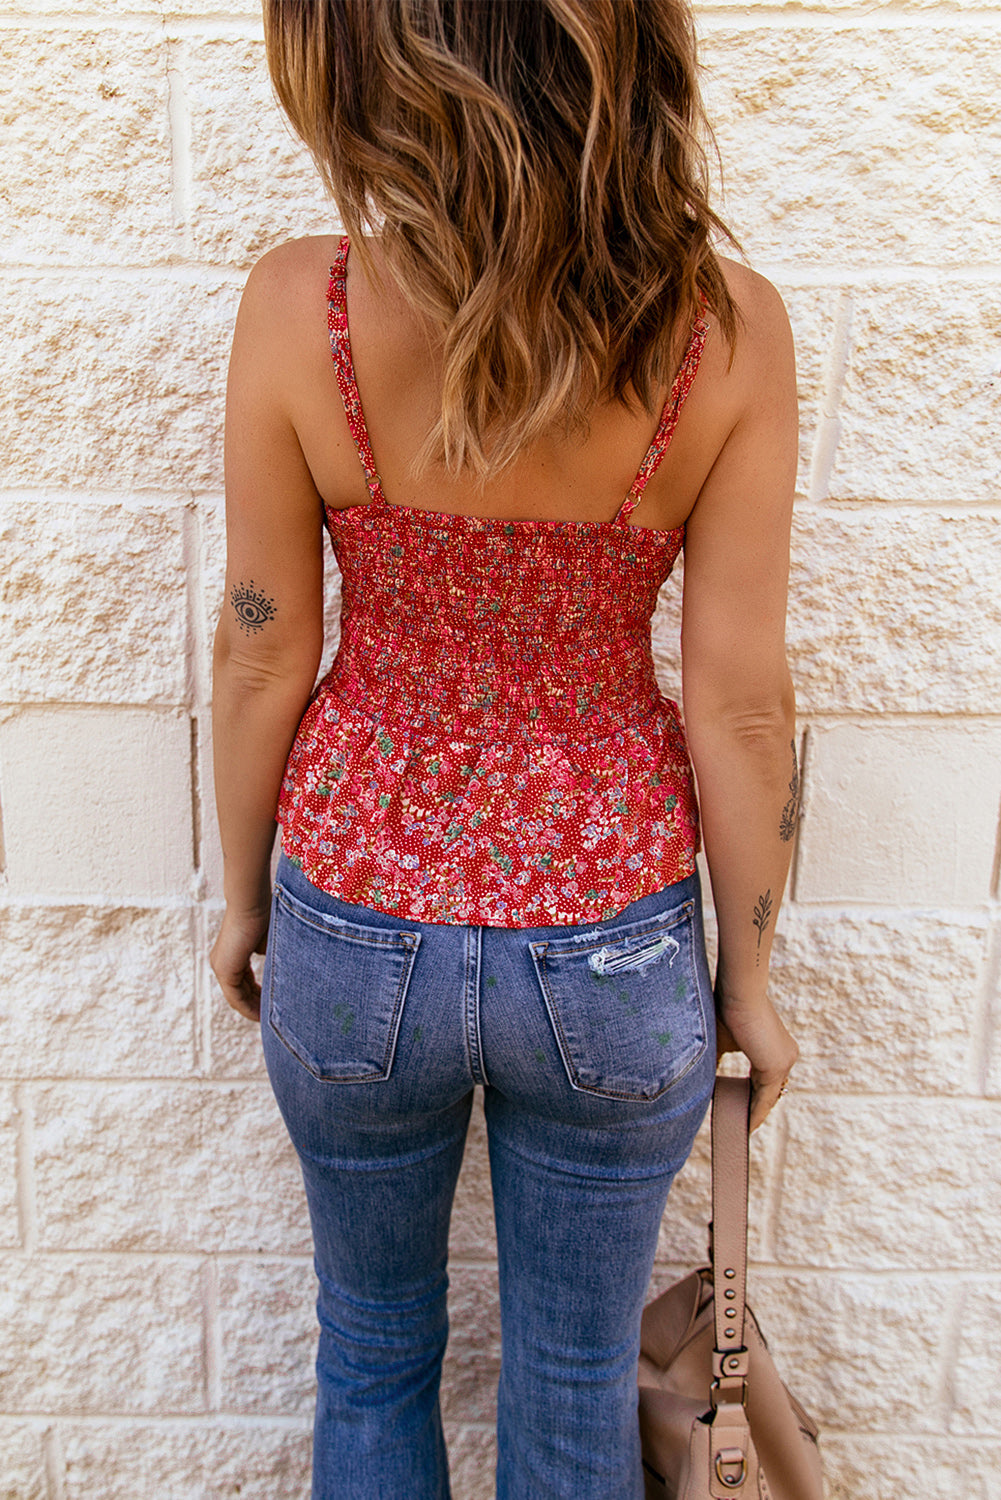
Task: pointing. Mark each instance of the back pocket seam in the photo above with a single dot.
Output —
(567, 947)
(408, 941)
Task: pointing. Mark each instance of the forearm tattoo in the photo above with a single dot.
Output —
(790, 813)
(253, 607)
(762, 916)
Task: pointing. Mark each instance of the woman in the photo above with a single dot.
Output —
(488, 811)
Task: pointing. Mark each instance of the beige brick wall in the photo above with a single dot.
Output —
(155, 1284)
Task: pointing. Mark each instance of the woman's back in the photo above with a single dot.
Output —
(399, 376)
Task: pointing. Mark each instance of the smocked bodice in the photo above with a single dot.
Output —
(496, 628)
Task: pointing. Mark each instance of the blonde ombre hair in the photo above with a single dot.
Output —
(537, 176)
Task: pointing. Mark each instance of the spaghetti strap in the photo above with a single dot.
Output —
(668, 421)
(340, 348)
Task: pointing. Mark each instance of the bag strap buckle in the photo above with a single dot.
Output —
(729, 1391)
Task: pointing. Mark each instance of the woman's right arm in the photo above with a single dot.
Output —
(738, 696)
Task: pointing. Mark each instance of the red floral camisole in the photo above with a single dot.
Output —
(490, 745)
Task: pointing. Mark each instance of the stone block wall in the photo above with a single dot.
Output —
(155, 1280)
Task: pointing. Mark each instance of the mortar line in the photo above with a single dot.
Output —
(211, 1335)
(984, 1041)
(194, 590)
(804, 747)
(3, 847)
(240, 1421)
(825, 445)
(27, 1205)
(775, 1190)
(791, 276)
(944, 1393)
(202, 1016)
(194, 785)
(54, 1461)
(179, 121)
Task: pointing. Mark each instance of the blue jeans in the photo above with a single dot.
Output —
(595, 1048)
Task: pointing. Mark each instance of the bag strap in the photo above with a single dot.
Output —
(730, 1138)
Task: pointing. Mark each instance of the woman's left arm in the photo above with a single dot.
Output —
(270, 633)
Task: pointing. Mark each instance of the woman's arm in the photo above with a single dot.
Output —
(738, 695)
(270, 634)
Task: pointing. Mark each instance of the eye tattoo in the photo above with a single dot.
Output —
(253, 607)
(790, 813)
(762, 912)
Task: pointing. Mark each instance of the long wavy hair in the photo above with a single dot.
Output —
(537, 175)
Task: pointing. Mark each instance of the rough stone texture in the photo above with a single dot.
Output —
(472, 1235)
(859, 113)
(828, 1333)
(213, 1460)
(268, 1336)
(895, 612)
(70, 629)
(99, 188)
(9, 1230)
(22, 1462)
(472, 1361)
(900, 814)
(890, 1183)
(875, 1468)
(96, 803)
(918, 415)
(880, 1001)
(225, 1174)
(253, 183)
(472, 1455)
(120, 384)
(88, 991)
(107, 1334)
(975, 1370)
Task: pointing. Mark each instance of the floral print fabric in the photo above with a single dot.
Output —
(490, 745)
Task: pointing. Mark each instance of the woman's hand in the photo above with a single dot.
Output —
(240, 935)
(757, 1030)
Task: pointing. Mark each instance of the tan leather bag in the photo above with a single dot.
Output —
(715, 1419)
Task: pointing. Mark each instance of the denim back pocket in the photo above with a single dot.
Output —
(626, 1004)
(336, 990)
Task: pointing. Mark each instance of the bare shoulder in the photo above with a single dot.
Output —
(280, 341)
(764, 349)
(290, 279)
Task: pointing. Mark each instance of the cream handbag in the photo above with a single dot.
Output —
(715, 1418)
